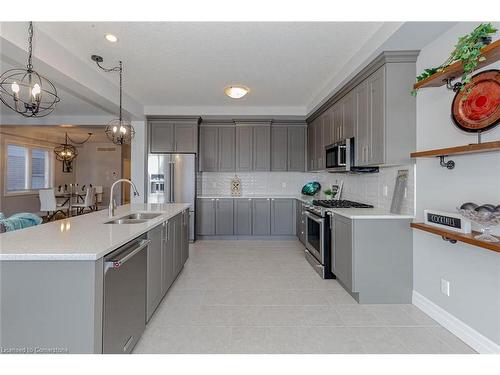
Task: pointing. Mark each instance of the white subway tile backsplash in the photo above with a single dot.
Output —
(366, 188)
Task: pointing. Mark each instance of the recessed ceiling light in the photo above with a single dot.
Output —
(236, 92)
(111, 38)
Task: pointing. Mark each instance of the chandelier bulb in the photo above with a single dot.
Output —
(15, 87)
(36, 90)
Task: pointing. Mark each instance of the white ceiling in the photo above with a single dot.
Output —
(189, 64)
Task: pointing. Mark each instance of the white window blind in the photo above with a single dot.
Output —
(28, 168)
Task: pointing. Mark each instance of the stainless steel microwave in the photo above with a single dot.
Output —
(339, 156)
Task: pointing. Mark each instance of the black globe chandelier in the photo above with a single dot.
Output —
(66, 152)
(27, 92)
(118, 131)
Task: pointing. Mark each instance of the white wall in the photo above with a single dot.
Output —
(474, 273)
(99, 164)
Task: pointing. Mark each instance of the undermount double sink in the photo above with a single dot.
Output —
(134, 218)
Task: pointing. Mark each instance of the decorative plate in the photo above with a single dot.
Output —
(311, 188)
(480, 111)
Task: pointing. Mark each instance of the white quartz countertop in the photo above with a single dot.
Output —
(84, 237)
(250, 196)
(367, 213)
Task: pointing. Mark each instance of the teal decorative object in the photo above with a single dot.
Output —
(311, 188)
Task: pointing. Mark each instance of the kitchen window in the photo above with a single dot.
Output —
(28, 168)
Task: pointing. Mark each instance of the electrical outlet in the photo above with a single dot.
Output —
(386, 190)
(445, 287)
(214, 184)
(283, 185)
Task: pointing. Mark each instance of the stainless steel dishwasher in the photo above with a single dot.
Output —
(124, 297)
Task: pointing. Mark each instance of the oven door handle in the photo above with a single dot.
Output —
(314, 218)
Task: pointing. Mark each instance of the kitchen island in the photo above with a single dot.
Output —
(52, 276)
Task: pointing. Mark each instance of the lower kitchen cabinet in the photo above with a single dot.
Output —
(261, 217)
(243, 217)
(167, 254)
(154, 270)
(300, 222)
(372, 258)
(282, 217)
(205, 217)
(224, 217)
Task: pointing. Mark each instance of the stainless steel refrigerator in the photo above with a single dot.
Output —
(172, 179)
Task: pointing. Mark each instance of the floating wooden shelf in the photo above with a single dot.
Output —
(455, 70)
(459, 150)
(454, 236)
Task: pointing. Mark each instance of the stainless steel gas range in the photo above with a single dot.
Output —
(318, 232)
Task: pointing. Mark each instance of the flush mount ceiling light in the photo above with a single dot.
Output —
(118, 131)
(111, 38)
(27, 92)
(236, 92)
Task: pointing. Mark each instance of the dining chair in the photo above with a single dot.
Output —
(49, 204)
(98, 196)
(88, 202)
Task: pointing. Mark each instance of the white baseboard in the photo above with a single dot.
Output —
(464, 332)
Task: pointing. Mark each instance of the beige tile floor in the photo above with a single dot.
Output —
(263, 297)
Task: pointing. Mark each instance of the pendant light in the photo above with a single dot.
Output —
(27, 92)
(66, 152)
(118, 131)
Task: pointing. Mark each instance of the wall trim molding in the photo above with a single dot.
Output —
(464, 332)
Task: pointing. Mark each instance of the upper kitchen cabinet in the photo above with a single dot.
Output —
(311, 146)
(296, 147)
(209, 149)
(288, 147)
(262, 148)
(376, 109)
(244, 148)
(173, 135)
(226, 149)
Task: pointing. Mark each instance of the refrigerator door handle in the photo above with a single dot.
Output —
(171, 181)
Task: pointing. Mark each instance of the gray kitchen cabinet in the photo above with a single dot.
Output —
(154, 271)
(342, 262)
(161, 137)
(376, 146)
(327, 129)
(173, 135)
(362, 124)
(243, 217)
(374, 108)
(226, 149)
(186, 137)
(261, 148)
(311, 146)
(372, 266)
(167, 261)
(282, 217)
(184, 243)
(224, 217)
(300, 222)
(244, 148)
(209, 149)
(319, 145)
(296, 148)
(279, 148)
(348, 104)
(177, 232)
(261, 216)
(338, 122)
(205, 216)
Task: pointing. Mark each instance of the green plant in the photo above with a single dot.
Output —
(328, 192)
(468, 51)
